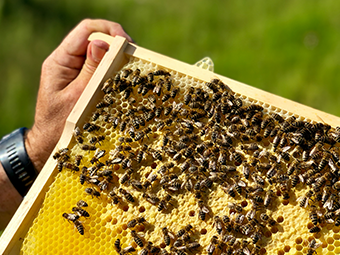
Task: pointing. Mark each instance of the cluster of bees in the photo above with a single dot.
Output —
(179, 243)
(77, 212)
(198, 141)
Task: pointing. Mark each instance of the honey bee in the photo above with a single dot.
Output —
(267, 219)
(313, 245)
(258, 179)
(268, 198)
(218, 223)
(102, 104)
(126, 163)
(167, 236)
(82, 203)
(149, 180)
(71, 216)
(161, 72)
(174, 92)
(168, 83)
(315, 229)
(167, 110)
(88, 147)
(156, 154)
(237, 157)
(212, 246)
(78, 135)
(189, 247)
(138, 80)
(115, 198)
(80, 211)
(71, 166)
(107, 86)
(163, 204)
(158, 87)
(184, 230)
(127, 72)
(164, 252)
(138, 240)
(98, 154)
(103, 184)
(149, 248)
(92, 192)
(127, 250)
(126, 176)
(139, 220)
(152, 199)
(202, 210)
(246, 170)
(117, 245)
(304, 200)
(331, 204)
(141, 134)
(126, 195)
(79, 226)
(61, 155)
(90, 127)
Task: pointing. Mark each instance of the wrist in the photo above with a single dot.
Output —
(36, 149)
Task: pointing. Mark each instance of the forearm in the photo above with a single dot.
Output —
(10, 199)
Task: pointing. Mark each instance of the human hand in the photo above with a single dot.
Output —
(64, 75)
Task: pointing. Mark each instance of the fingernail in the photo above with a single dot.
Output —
(98, 50)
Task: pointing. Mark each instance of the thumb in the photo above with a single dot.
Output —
(95, 52)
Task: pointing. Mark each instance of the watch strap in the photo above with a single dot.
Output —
(15, 161)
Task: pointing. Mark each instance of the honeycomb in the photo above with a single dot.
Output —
(288, 230)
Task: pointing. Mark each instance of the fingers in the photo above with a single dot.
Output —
(95, 52)
(68, 59)
(76, 42)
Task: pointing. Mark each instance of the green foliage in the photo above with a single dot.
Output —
(288, 48)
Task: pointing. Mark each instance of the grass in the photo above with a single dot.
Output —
(288, 48)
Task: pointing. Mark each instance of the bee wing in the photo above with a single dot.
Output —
(316, 245)
(246, 251)
(184, 247)
(242, 184)
(287, 148)
(263, 153)
(141, 235)
(129, 249)
(301, 178)
(231, 204)
(113, 153)
(306, 202)
(328, 204)
(251, 214)
(241, 219)
(332, 165)
(205, 209)
(337, 212)
(172, 236)
(177, 106)
(199, 124)
(329, 221)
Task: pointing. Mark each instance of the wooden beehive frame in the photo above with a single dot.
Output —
(117, 56)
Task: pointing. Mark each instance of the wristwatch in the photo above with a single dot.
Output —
(15, 161)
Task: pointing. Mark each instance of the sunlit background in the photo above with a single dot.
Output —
(290, 48)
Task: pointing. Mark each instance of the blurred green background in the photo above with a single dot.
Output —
(290, 48)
